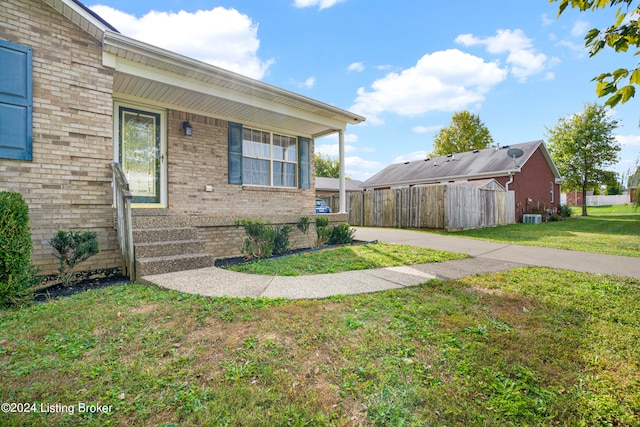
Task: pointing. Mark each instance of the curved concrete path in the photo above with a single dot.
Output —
(487, 257)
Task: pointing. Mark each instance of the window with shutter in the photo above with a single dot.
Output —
(15, 101)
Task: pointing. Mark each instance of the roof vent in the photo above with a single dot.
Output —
(476, 151)
(435, 164)
(427, 159)
(449, 155)
(453, 157)
(506, 146)
(406, 163)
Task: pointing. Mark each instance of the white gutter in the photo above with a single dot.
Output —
(444, 178)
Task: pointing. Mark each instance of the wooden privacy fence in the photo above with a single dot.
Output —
(441, 206)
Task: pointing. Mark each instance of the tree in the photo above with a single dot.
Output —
(465, 133)
(618, 85)
(327, 167)
(610, 179)
(582, 145)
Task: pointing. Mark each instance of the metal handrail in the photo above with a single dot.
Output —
(124, 222)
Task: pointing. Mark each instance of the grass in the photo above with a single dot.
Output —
(526, 347)
(346, 258)
(613, 230)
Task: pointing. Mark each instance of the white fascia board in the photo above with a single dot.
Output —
(146, 72)
(118, 41)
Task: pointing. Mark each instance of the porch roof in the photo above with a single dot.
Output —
(146, 73)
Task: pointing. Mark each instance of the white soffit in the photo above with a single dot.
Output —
(145, 72)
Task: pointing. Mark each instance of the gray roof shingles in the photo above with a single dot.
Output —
(459, 166)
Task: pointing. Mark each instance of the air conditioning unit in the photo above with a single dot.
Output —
(532, 219)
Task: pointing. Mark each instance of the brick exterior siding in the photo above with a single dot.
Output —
(68, 183)
(533, 183)
(201, 160)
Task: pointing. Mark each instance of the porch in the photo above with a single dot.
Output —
(157, 241)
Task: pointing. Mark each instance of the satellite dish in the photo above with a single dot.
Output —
(515, 153)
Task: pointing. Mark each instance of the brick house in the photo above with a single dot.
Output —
(532, 176)
(199, 146)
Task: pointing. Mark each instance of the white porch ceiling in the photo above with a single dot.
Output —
(147, 73)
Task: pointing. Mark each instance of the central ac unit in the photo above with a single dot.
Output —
(532, 219)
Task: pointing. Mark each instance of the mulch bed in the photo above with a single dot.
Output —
(86, 281)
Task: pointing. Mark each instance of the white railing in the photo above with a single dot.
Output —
(124, 223)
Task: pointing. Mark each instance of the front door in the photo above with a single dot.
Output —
(141, 154)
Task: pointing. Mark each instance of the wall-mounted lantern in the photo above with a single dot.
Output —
(187, 129)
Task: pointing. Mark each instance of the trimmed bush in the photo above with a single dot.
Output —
(73, 247)
(341, 234)
(565, 211)
(15, 248)
(264, 239)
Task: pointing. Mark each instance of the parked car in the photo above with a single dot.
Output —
(321, 207)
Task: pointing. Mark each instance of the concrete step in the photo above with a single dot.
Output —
(168, 248)
(169, 264)
(148, 235)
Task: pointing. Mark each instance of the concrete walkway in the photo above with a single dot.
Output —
(488, 257)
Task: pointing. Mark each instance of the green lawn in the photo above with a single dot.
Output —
(613, 230)
(526, 347)
(346, 258)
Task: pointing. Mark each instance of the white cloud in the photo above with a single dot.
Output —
(580, 28)
(322, 4)
(524, 60)
(332, 150)
(442, 81)
(222, 37)
(384, 67)
(348, 137)
(546, 20)
(628, 140)
(416, 155)
(356, 162)
(425, 129)
(356, 66)
(309, 83)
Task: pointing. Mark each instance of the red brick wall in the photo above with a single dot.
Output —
(533, 183)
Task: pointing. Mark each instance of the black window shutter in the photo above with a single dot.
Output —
(16, 105)
(305, 169)
(235, 153)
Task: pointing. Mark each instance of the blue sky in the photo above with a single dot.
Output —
(406, 66)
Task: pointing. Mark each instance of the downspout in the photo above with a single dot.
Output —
(511, 175)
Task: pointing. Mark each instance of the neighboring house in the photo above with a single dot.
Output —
(200, 146)
(332, 185)
(533, 176)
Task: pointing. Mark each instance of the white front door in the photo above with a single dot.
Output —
(141, 153)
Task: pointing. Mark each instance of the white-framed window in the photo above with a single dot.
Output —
(551, 188)
(269, 159)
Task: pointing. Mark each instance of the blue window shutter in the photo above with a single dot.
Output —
(16, 105)
(235, 153)
(305, 169)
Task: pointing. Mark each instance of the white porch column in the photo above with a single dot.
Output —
(343, 194)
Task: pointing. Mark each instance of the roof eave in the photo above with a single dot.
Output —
(115, 43)
(443, 180)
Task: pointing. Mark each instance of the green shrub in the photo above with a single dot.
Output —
(565, 211)
(73, 247)
(333, 235)
(303, 225)
(322, 230)
(264, 239)
(341, 234)
(15, 248)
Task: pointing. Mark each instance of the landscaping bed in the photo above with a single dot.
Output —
(88, 280)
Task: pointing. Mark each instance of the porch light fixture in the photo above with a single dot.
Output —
(187, 129)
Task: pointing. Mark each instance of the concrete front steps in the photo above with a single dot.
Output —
(162, 247)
